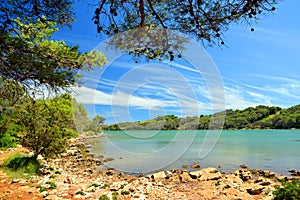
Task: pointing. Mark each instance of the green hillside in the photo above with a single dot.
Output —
(259, 117)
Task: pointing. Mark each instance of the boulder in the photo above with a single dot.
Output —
(209, 170)
(195, 166)
(185, 177)
(168, 174)
(210, 176)
(243, 166)
(255, 190)
(244, 174)
(196, 174)
(157, 175)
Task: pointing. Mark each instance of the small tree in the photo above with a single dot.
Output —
(47, 125)
(96, 124)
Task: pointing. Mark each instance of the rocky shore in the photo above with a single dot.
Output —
(74, 175)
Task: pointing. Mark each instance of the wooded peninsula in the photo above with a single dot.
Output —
(259, 117)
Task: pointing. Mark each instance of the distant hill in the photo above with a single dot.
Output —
(259, 117)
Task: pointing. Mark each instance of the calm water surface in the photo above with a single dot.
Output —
(147, 151)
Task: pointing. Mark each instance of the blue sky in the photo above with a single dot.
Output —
(260, 67)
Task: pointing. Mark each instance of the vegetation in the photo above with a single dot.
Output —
(41, 188)
(125, 192)
(80, 193)
(34, 66)
(43, 125)
(52, 185)
(260, 117)
(206, 21)
(19, 165)
(105, 186)
(289, 191)
(115, 195)
(103, 197)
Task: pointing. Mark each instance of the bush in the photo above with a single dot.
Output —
(16, 164)
(42, 189)
(52, 185)
(289, 191)
(8, 139)
(105, 185)
(115, 195)
(103, 197)
(80, 193)
(125, 192)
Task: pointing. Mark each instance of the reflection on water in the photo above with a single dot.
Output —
(274, 150)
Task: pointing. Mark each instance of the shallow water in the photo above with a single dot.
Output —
(147, 151)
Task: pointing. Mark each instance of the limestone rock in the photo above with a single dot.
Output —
(185, 177)
(255, 189)
(195, 165)
(210, 176)
(196, 174)
(209, 170)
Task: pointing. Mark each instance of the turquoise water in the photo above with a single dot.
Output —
(147, 151)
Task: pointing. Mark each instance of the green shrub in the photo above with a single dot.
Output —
(94, 185)
(115, 195)
(52, 176)
(103, 197)
(42, 189)
(80, 193)
(58, 172)
(105, 185)
(125, 192)
(16, 164)
(289, 191)
(8, 139)
(52, 185)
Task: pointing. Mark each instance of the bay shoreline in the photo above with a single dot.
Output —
(76, 176)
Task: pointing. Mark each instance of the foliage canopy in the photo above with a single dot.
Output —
(204, 20)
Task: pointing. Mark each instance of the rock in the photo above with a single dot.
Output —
(195, 166)
(243, 166)
(15, 181)
(235, 180)
(108, 159)
(255, 190)
(70, 180)
(168, 174)
(185, 177)
(196, 174)
(265, 183)
(243, 174)
(44, 194)
(158, 175)
(210, 176)
(266, 173)
(185, 166)
(271, 174)
(209, 170)
(88, 170)
(110, 172)
(53, 197)
(282, 177)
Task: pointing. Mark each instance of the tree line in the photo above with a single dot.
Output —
(259, 117)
